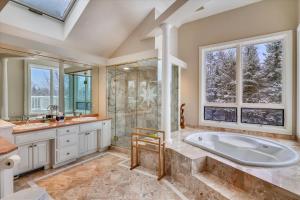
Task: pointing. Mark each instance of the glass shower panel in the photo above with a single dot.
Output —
(147, 99)
(175, 98)
(126, 81)
(132, 98)
(111, 98)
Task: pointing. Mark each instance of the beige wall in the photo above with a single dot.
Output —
(257, 19)
(15, 87)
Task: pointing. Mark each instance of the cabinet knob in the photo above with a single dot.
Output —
(68, 153)
(68, 140)
(68, 131)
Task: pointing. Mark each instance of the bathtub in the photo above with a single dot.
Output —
(245, 150)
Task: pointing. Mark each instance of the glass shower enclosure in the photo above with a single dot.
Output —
(133, 98)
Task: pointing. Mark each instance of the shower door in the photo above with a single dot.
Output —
(132, 98)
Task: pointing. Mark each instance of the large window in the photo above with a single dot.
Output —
(248, 83)
(44, 88)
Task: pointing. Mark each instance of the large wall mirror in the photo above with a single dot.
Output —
(34, 85)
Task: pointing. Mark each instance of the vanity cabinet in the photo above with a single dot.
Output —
(66, 144)
(61, 145)
(33, 149)
(105, 135)
(33, 156)
(87, 142)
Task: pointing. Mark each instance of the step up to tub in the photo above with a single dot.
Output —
(210, 178)
(216, 188)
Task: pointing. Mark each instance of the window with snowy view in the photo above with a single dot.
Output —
(263, 116)
(221, 75)
(262, 72)
(226, 114)
(248, 83)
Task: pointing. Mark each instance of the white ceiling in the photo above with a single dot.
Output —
(105, 24)
(212, 7)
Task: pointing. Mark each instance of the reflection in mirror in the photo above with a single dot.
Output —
(33, 87)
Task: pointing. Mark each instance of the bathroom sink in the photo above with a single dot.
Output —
(30, 126)
(83, 119)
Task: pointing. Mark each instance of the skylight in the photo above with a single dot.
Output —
(58, 9)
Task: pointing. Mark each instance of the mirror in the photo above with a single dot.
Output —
(34, 85)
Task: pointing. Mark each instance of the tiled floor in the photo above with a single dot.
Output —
(105, 176)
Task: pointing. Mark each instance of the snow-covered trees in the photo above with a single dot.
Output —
(251, 67)
(221, 76)
(261, 67)
(262, 73)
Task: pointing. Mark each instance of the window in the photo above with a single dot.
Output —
(248, 83)
(44, 88)
(225, 114)
(58, 9)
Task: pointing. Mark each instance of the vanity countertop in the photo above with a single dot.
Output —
(6, 146)
(54, 124)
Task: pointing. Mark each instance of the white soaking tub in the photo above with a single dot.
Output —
(244, 149)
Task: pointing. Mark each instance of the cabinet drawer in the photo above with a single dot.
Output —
(67, 140)
(67, 153)
(67, 130)
(31, 137)
(90, 126)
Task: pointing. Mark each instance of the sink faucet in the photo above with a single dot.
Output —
(25, 117)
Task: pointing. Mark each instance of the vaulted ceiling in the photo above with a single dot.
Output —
(101, 26)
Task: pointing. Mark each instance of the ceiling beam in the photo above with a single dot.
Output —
(175, 15)
(2, 4)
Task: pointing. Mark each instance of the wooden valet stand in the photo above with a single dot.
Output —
(149, 140)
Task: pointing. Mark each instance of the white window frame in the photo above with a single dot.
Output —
(287, 81)
(40, 65)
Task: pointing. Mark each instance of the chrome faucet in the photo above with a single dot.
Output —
(25, 117)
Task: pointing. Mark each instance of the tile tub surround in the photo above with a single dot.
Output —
(262, 182)
(105, 177)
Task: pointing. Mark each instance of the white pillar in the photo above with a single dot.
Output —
(166, 82)
(4, 89)
(61, 87)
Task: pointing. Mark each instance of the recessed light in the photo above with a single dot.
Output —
(125, 68)
(201, 8)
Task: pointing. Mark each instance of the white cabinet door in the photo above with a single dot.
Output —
(82, 146)
(40, 154)
(91, 138)
(106, 134)
(25, 153)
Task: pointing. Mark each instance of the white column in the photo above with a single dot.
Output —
(166, 82)
(4, 89)
(61, 87)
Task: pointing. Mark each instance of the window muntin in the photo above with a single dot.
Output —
(220, 68)
(44, 88)
(282, 98)
(262, 72)
(58, 9)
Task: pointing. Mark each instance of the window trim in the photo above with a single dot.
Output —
(42, 65)
(287, 82)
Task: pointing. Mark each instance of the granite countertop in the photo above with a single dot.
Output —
(6, 146)
(55, 124)
(287, 178)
